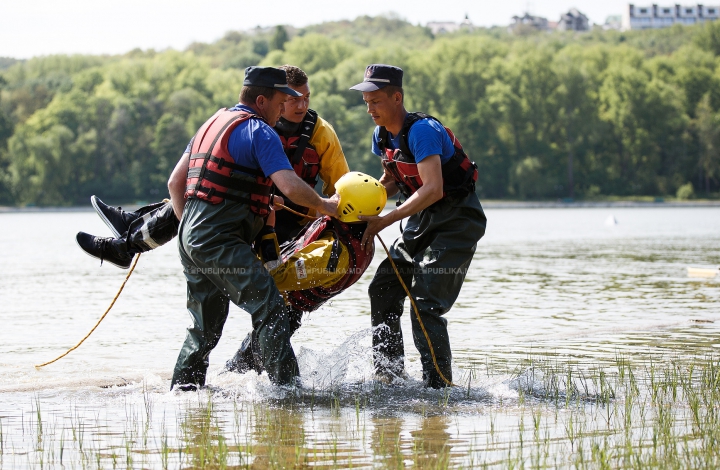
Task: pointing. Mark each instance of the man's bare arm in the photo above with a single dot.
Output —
(176, 185)
(389, 182)
(431, 191)
(300, 193)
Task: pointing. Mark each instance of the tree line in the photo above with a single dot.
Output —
(544, 116)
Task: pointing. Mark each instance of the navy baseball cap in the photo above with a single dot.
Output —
(379, 76)
(269, 77)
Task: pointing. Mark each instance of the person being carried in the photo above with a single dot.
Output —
(320, 262)
(312, 148)
(426, 163)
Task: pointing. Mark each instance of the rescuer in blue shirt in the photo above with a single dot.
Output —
(226, 178)
(425, 162)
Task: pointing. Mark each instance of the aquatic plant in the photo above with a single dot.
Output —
(659, 413)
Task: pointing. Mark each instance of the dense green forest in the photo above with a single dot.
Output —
(544, 115)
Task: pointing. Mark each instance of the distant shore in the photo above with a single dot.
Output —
(585, 204)
(487, 204)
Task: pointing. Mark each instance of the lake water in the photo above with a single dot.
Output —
(563, 285)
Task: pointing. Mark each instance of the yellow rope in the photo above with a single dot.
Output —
(407, 291)
(417, 314)
(397, 273)
(98, 322)
(294, 211)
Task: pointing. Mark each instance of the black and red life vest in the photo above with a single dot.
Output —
(347, 235)
(459, 172)
(302, 156)
(210, 173)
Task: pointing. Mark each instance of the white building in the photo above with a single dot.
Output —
(444, 27)
(654, 16)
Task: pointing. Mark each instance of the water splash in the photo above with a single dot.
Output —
(351, 361)
(541, 384)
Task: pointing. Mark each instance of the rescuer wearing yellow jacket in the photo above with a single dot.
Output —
(312, 147)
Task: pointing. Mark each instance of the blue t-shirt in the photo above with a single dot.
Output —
(426, 137)
(256, 145)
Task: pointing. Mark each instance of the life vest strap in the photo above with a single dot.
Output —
(334, 256)
(459, 172)
(230, 183)
(221, 163)
(212, 192)
(241, 117)
(308, 127)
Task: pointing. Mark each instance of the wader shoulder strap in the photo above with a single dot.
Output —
(307, 126)
(410, 119)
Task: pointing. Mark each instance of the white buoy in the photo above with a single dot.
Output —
(702, 272)
(610, 221)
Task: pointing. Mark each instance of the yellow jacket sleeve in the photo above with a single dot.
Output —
(332, 159)
(307, 268)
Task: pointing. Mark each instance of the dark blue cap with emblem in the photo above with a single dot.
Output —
(269, 77)
(378, 76)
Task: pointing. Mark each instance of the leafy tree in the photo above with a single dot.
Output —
(354, 128)
(685, 192)
(528, 178)
(6, 62)
(312, 53)
(543, 115)
(709, 37)
(708, 129)
(260, 47)
(279, 38)
(168, 145)
(577, 110)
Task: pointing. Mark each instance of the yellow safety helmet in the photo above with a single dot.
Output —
(360, 194)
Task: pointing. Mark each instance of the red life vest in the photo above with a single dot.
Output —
(350, 235)
(459, 173)
(210, 173)
(303, 157)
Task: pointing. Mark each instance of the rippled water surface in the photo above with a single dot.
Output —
(561, 285)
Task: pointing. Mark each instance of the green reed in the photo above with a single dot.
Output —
(660, 413)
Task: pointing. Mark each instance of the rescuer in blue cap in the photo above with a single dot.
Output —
(226, 179)
(312, 148)
(423, 161)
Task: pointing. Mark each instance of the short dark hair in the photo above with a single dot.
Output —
(295, 75)
(391, 90)
(249, 93)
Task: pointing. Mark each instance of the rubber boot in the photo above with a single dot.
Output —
(246, 358)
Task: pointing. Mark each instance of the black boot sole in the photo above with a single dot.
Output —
(93, 201)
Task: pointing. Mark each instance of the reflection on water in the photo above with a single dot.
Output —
(552, 300)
